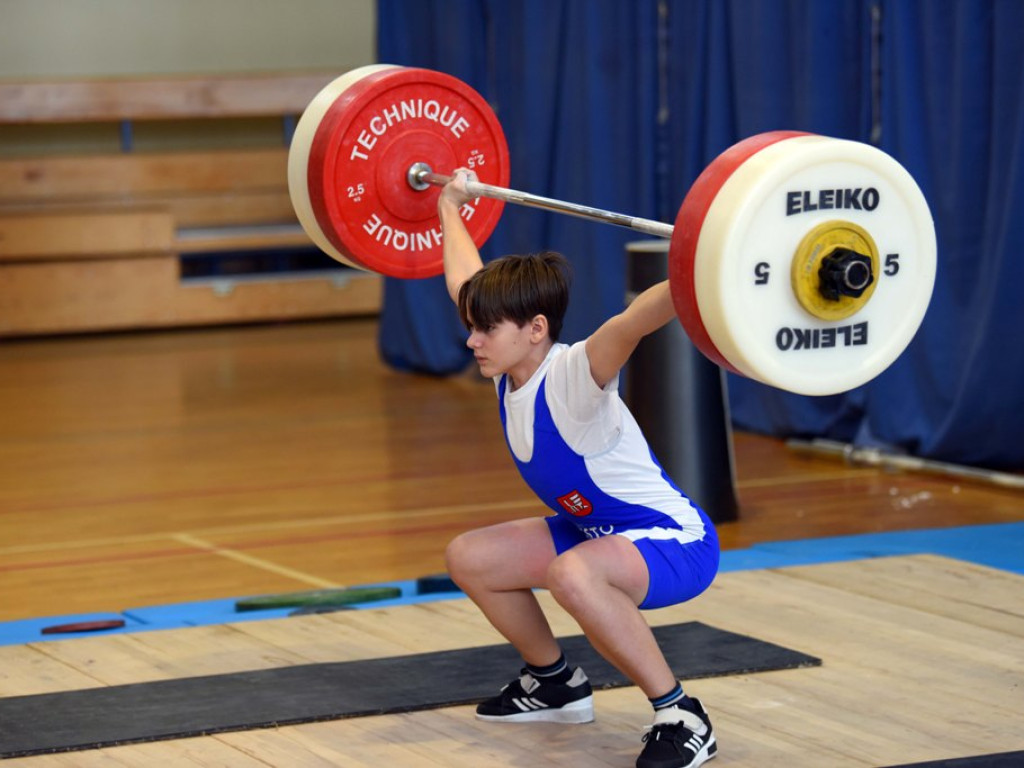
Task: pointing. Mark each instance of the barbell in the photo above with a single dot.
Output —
(802, 261)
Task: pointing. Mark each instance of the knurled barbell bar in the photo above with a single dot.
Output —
(421, 176)
(802, 261)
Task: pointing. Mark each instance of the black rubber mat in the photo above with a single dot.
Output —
(168, 709)
(1000, 760)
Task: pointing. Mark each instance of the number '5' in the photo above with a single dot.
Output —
(892, 263)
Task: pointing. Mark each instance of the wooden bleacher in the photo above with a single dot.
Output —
(94, 240)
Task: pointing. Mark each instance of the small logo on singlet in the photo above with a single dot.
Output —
(575, 504)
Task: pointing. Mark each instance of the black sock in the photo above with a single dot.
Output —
(558, 672)
(674, 698)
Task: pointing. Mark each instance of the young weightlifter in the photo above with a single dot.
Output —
(623, 538)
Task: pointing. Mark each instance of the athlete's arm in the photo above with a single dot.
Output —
(610, 346)
(461, 257)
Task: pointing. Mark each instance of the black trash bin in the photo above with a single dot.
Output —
(679, 399)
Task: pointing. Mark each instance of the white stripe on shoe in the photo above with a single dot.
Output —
(529, 704)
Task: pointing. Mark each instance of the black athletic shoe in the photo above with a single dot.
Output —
(528, 699)
(678, 739)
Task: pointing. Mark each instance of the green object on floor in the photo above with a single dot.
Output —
(321, 597)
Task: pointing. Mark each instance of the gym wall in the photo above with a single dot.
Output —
(76, 39)
(49, 39)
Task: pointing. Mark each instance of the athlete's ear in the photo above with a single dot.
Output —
(538, 328)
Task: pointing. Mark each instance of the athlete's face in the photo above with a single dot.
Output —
(500, 348)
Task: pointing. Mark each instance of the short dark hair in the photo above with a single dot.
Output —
(518, 288)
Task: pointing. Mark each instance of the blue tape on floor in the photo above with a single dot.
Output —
(199, 614)
(999, 545)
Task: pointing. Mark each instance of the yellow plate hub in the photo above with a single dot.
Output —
(815, 246)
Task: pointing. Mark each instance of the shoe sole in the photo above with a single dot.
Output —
(708, 752)
(581, 711)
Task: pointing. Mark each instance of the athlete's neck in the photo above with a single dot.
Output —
(524, 370)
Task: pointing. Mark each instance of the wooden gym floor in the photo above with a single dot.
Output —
(160, 468)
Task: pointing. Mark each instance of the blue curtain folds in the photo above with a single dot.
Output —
(621, 105)
(571, 100)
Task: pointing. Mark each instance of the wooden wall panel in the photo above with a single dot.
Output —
(85, 235)
(55, 297)
(173, 97)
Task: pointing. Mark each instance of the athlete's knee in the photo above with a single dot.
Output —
(570, 580)
(462, 560)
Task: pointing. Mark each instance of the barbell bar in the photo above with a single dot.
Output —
(420, 176)
(848, 274)
(802, 261)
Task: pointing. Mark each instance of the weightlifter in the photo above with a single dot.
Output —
(622, 537)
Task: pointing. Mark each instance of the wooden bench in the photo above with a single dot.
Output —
(111, 189)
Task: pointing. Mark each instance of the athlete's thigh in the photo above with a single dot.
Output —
(512, 555)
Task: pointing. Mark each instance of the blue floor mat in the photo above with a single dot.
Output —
(999, 545)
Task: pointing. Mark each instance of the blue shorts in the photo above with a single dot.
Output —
(677, 572)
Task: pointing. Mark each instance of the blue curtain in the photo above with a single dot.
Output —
(744, 67)
(953, 113)
(621, 105)
(557, 76)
